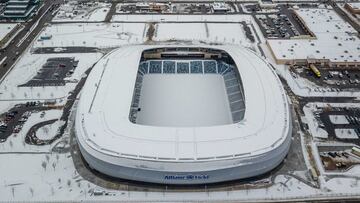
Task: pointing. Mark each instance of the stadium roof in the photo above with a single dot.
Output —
(103, 112)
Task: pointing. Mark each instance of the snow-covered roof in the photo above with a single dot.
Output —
(24, 6)
(336, 39)
(15, 11)
(18, 1)
(219, 6)
(103, 114)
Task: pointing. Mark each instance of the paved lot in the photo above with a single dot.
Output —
(353, 117)
(53, 73)
(63, 50)
(339, 78)
(16, 117)
(279, 24)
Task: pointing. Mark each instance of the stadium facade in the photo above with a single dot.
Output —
(183, 115)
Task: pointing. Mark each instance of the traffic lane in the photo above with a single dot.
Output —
(11, 49)
(28, 25)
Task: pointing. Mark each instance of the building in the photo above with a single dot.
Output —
(352, 8)
(219, 7)
(19, 9)
(183, 115)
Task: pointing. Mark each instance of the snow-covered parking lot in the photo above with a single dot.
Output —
(99, 35)
(29, 65)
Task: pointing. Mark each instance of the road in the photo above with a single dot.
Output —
(31, 137)
(24, 38)
(111, 12)
(342, 14)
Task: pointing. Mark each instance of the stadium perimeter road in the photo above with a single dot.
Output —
(23, 39)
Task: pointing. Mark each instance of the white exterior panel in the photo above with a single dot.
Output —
(113, 145)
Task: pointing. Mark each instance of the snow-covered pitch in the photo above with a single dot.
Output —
(114, 144)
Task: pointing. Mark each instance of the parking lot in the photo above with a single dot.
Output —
(12, 121)
(339, 78)
(341, 123)
(281, 24)
(277, 26)
(57, 50)
(175, 8)
(53, 72)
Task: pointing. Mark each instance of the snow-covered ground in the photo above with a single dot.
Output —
(5, 28)
(16, 142)
(335, 38)
(346, 133)
(181, 18)
(99, 35)
(303, 87)
(117, 34)
(35, 173)
(47, 132)
(230, 33)
(312, 109)
(44, 177)
(309, 110)
(88, 12)
(28, 66)
(172, 31)
(41, 176)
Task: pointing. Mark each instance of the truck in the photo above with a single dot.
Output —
(355, 151)
(315, 70)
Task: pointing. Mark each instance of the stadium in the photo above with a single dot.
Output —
(183, 115)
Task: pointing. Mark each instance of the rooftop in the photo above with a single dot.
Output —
(103, 111)
(336, 39)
